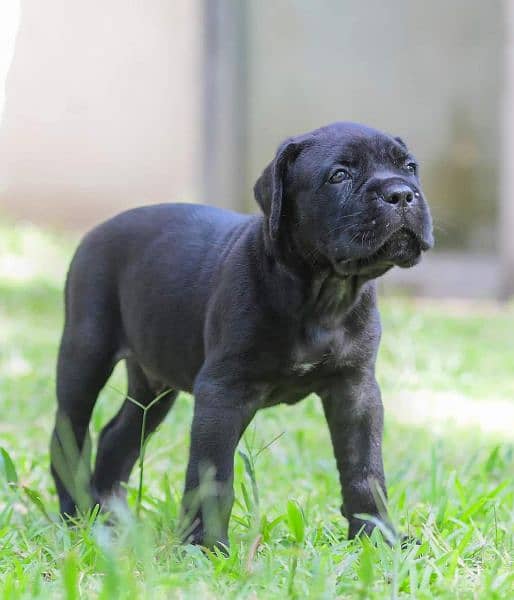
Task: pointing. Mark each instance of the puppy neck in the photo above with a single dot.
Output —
(331, 295)
(321, 293)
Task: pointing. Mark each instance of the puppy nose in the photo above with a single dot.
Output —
(398, 193)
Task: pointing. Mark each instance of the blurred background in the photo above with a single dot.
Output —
(112, 104)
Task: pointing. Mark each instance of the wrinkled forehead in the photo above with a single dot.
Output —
(344, 144)
(356, 148)
(371, 149)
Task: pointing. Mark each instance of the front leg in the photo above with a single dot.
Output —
(354, 412)
(222, 412)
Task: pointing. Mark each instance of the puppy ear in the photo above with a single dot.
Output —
(401, 142)
(269, 188)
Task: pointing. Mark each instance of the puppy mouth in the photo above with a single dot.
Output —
(402, 248)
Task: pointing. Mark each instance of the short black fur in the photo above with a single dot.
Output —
(244, 312)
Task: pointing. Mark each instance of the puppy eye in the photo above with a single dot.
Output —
(339, 176)
(411, 167)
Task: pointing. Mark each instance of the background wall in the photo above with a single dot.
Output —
(102, 108)
(9, 21)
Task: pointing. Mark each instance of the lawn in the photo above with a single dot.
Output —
(447, 376)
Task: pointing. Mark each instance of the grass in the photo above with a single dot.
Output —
(447, 375)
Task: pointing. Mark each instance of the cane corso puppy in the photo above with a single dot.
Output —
(244, 312)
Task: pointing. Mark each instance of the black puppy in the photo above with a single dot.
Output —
(244, 312)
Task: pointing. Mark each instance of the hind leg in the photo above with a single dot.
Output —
(84, 365)
(120, 440)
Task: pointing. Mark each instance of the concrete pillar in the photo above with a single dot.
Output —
(224, 104)
(506, 225)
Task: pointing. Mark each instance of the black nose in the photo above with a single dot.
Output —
(398, 193)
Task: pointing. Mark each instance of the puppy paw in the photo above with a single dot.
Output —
(359, 527)
(406, 541)
(199, 538)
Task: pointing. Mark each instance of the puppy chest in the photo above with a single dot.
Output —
(319, 346)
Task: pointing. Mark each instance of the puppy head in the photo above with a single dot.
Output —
(349, 196)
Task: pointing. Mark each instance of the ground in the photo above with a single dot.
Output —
(447, 375)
